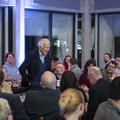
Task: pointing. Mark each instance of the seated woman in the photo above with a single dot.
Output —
(67, 62)
(84, 78)
(69, 80)
(71, 104)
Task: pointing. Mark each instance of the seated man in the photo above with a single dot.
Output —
(14, 102)
(109, 72)
(11, 69)
(110, 110)
(43, 103)
(54, 63)
(98, 93)
(59, 72)
(107, 58)
(75, 68)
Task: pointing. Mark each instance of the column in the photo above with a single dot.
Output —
(86, 7)
(19, 32)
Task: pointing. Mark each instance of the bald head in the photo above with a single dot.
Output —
(44, 46)
(48, 80)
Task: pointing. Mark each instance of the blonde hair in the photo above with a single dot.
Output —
(5, 110)
(69, 100)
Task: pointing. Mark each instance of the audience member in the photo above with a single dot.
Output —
(117, 59)
(43, 103)
(11, 69)
(5, 111)
(59, 72)
(36, 63)
(67, 62)
(110, 110)
(75, 68)
(84, 78)
(69, 80)
(109, 72)
(71, 104)
(98, 93)
(54, 63)
(6, 86)
(14, 102)
(107, 58)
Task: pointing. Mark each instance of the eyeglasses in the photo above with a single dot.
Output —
(111, 66)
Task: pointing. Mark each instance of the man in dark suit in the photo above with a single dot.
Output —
(35, 64)
(43, 103)
(16, 106)
(99, 92)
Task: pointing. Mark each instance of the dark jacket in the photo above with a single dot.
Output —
(16, 106)
(32, 65)
(99, 93)
(42, 103)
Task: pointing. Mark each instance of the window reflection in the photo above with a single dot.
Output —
(62, 34)
(36, 26)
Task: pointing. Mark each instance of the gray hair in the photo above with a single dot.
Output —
(42, 42)
(48, 79)
(95, 71)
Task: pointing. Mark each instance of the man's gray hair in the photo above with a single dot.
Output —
(95, 71)
(48, 80)
(5, 110)
(40, 43)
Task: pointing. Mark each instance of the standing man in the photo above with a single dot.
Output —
(36, 63)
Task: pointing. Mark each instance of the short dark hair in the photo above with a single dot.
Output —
(9, 53)
(68, 80)
(108, 55)
(117, 56)
(88, 63)
(55, 58)
(1, 77)
(115, 88)
(113, 62)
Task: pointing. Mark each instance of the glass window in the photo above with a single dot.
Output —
(109, 36)
(62, 34)
(36, 26)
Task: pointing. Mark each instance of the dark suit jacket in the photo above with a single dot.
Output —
(32, 64)
(16, 106)
(42, 103)
(97, 94)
